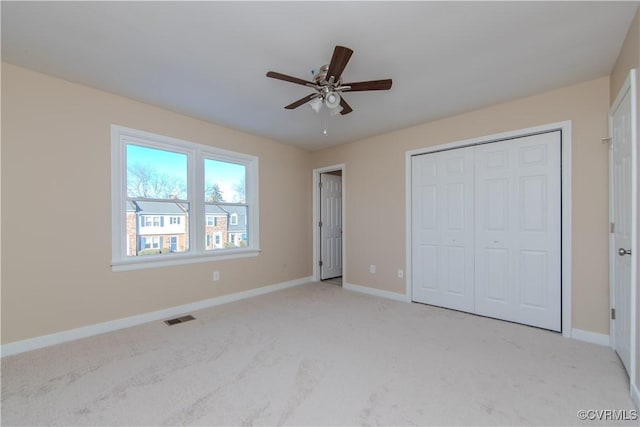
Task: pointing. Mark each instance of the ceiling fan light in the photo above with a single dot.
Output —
(316, 104)
(336, 111)
(332, 100)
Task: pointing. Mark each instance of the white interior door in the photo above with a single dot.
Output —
(442, 219)
(518, 230)
(621, 219)
(330, 226)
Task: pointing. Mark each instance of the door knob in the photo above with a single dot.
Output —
(623, 251)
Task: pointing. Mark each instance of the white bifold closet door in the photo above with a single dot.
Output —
(486, 230)
(443, 259)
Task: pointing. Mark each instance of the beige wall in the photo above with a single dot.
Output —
(56, 225)
(56, 163)
(629, 58)
(375, 189)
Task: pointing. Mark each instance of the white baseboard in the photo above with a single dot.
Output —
(113, 325)
(592, 337)
(376, 292)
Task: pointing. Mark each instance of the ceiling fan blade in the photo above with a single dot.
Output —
(286, 78)
(370, 85)
(341, 56)
(304, 100)
(346, 108)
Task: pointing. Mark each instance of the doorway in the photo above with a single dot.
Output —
(328, 213)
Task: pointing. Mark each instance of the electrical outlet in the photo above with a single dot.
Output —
(372, 269)
(216, 276)
(400, 273)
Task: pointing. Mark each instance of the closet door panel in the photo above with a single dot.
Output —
(494, 204)
(517, 212)
(443, 229)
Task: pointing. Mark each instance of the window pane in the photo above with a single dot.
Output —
(156, 174)
(150, 230)
(224, 182)
(228, 228)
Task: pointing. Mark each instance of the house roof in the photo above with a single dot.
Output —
(215, 210)
(156, 208)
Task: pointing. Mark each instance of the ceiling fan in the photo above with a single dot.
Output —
(328, 86)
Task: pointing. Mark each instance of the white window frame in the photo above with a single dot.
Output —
(155, 242)
(196, 153)
(152, 241)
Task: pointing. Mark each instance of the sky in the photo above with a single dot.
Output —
(226, 175)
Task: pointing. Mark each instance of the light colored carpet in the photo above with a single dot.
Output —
(315, 355)
(334, 281)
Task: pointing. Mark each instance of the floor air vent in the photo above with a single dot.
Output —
(177, 320)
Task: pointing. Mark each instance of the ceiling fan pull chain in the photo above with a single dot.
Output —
(325, 119)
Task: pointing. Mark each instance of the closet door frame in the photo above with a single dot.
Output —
(565, 135)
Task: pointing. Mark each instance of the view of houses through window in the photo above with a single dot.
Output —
(158, 206)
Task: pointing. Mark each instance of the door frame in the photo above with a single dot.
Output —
(566, 223)
(629, 85)
(316, 219)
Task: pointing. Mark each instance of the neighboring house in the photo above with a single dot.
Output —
(216, 229)
(226, 226)
(160, 227)
(154, 227)
(237, 225)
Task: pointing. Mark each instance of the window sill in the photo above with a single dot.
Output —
(158, 261)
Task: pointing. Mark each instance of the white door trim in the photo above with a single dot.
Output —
(316, 219)
(630, 85)
(565, 129)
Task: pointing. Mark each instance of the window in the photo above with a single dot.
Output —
(162, 181)
(153, 221)
(150, 242)
(150, 221)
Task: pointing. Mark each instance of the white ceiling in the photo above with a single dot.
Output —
(208, 59)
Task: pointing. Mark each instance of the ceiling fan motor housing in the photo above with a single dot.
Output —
(320, 78)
